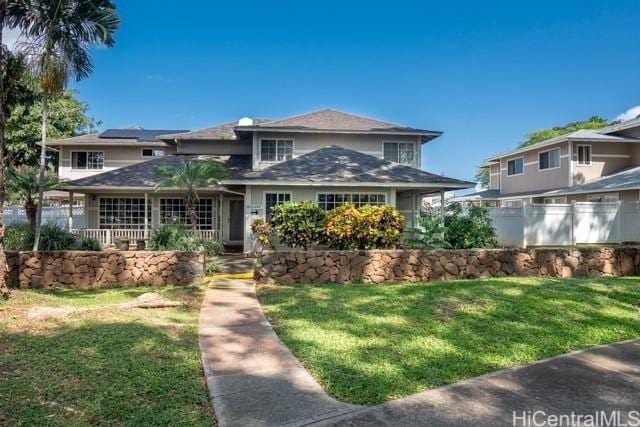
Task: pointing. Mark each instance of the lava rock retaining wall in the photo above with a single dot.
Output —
(80, 269)
(390, 266)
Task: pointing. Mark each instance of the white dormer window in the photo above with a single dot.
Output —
(276, 150)
(153, 152)
(400, 152)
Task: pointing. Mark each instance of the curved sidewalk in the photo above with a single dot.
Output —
(253, 378)
(256, 381)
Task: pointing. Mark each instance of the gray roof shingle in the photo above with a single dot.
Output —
(329, 119)
(339, 164)
(143, 174)
(332, 164)
(221, 131)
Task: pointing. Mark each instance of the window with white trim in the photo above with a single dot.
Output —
(274, 199)
(515, 166)
(584, 155)
(123, 213)
(174, 211)
(153, 152)
(549, 159)
(276, 150)
(400, 152)
(328, 201)
(603, 197)
(87, 160)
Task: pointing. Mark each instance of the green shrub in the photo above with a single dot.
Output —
(262, 230)
(367, 227)
(89, 244)
(212, 247)
(472, 229)
(341, 227)
(171, 237)
(18, 237)
(298, 224)
(213, 266)
(55, 238)
(165, 237)
(379, 227)
(430, 232)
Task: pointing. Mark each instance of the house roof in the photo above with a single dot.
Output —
(141, 137)
(329, 120)
(221, 131)
(579, 135)
(143, 175)
(618, 126)
(335, 164)
(330, 165)
(625, 179)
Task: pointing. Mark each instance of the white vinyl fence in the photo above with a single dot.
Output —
(50, 215)
(567, 224)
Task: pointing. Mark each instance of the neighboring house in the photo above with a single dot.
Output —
(586, 165)
(327, 156)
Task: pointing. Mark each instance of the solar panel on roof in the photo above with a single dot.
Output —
(137, 134)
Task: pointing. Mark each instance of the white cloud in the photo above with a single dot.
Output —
(10, 37)
(631, 113)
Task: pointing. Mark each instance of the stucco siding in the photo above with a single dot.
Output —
(304, 143)
(606, 158)
(533, 178)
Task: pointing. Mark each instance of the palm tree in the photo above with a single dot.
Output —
(190, 177)
(22, 187)
(4, 290)
(59, 34)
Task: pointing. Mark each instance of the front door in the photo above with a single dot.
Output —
(236, 219)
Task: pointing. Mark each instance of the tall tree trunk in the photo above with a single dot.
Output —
(4, 290)
(43, 167)
(193, 218)
(31, 210)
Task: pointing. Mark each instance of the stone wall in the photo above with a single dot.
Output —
(80, 269)
(390, 266)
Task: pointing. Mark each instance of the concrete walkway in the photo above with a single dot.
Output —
(256, 381)
(252, 376)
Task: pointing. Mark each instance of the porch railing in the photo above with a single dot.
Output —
(107, 237)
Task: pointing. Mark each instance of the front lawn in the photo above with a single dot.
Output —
(371, 343)
(107, 365)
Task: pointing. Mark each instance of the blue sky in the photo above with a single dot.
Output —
(483, 72)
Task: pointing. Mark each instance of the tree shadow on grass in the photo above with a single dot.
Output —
(91, 372)
(492, 324)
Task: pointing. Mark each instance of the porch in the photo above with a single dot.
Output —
(109, 216)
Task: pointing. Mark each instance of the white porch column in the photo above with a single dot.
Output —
(247, 219)
(70, 219)
(392, 197)
(220, 218)
(146, 217)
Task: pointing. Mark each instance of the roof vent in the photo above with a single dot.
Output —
(245, 121)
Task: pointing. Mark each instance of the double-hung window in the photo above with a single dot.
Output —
(276, 150)
(549, 159)
(515, 166)
(584, 155)
(274, 199)
(87, 160)
(400, 152)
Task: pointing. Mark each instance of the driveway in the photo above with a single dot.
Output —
(256, 381)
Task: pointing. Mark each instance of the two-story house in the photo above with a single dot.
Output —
(600, 165)
(327, 156)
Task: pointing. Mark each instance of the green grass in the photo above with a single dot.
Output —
(371, 343)
(105, 366)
